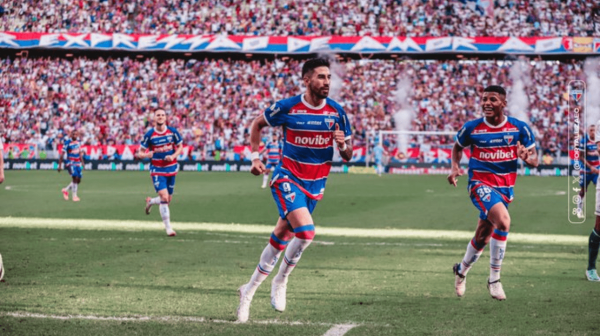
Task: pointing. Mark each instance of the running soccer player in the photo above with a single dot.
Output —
(594, 242)
(589, 162)
(496, 142)
(73, 164)
(163, 144)
(273, 150)
(311, 124)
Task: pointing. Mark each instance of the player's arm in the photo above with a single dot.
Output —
(344, 143)
(81, 155)
(529, 156)
(175, 155)
(258, 124)
(457, 153)
(583, 158)
(143, 154)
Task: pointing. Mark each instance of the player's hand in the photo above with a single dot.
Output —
(258, 168)
(338, 136)
(169, 158)
(593, 170)
(453, 177)
(522, 152)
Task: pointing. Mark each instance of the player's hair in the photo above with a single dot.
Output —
(159, 108)
(495, 88)
(313, 63)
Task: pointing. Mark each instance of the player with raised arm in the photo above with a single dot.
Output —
(162, 144)
(589, 162)
(312, 126)
(73, 164)
(496, 141)
(273, 151)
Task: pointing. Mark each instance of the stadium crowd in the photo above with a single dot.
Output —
(304, 17)
(213, 102)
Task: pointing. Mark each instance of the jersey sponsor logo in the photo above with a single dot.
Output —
(163, 149)
(497, 155)
(508, 139)
(494, 141)
(314, 122)
(295, 111)
(275, 110)
(300, 122)
(318, 140)
(329, 122)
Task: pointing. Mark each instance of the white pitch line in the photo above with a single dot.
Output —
(339, 329)
(127, 225)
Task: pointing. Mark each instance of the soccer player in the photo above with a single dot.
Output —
(496, 142)
(378, 153)
(73, 164)
(1, 180)
(594, 242)
(273, 150)
(163, 144)
(312, 125)
(589, 162)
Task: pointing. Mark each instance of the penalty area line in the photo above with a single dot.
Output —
(336, 329)
(128, 225)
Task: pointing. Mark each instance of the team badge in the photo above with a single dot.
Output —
(486, 198)
(576, 95)
(291, 197)
(508, 139)
(329, 122)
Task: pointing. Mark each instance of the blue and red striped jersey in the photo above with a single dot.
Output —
(591, 153)
(162, 144)
(73, 150)
(308, 144)
(494, 152)
(273, 152)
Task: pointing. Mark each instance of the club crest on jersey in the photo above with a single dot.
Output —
(291, 197)
(329, 122)
(508, 139)
(486, 198)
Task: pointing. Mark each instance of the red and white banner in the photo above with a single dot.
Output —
(121, 152)
(20, 151)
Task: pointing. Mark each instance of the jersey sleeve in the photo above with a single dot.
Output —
(276, 114)
(345, 126)
(463, 137)
(65, 148)
(177, 137)
(146, 141)
(526, 136)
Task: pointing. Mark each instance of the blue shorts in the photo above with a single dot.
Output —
(484, 198)
(74, 171)
(585, 181)
(164, 182)
(271, 165)
(289, 197)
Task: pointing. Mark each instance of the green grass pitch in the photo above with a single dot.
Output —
(141, 282)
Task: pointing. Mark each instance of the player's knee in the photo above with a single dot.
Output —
(306, 232)
(279, 242)
(503, 223)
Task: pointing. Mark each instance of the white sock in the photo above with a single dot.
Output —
(155, 200)
(471, 256)
(267, 262)
(69, 186)
(497, 250)
(74, 187)
(166, 215)
(580, 205)
(291, 257)
(265, 179)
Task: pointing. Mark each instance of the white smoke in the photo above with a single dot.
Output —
(404, 115)
(591, 68)
(518, 102)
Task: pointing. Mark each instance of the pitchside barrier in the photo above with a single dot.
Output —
(242, 166)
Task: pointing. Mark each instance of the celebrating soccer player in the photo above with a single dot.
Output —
(312, 125)
(589, 163)
(73, 164)
(591, 166)
(496, 142)
(1, 180)
(163, 144)
(273, 150)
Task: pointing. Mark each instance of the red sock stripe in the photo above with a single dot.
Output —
(305, 235)
(276, 244)
(475, 246)
(498, 237)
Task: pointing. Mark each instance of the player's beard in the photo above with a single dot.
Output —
(317, 93)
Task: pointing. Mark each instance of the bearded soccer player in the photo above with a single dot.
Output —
(496, 142)
(163, 145)
(312, 125)
(589, 162)
(73, 164)
(273, 151)
(594, 242)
